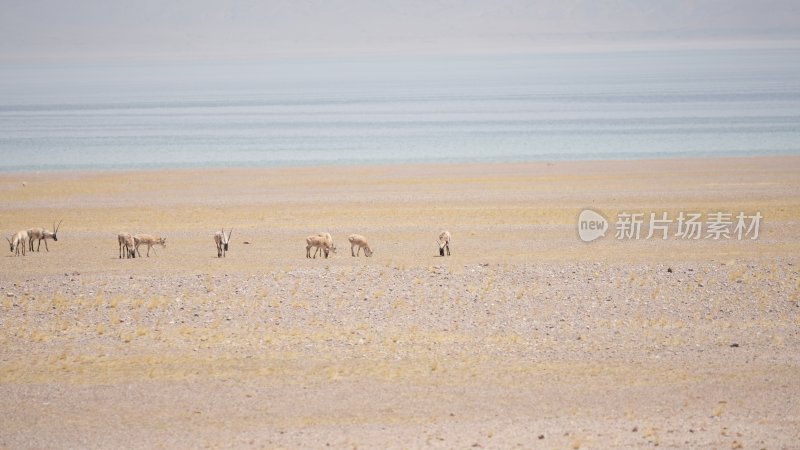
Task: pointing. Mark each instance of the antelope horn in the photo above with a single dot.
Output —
(59, 224)
(229, 234)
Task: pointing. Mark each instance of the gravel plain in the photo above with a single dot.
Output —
(524, 338)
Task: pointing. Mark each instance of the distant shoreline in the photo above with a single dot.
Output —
(382, 164)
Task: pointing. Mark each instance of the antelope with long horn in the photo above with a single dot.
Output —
(222, 242)
(444, 243)
(18, 241)
(42, 234)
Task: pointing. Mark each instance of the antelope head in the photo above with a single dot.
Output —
(441, 247)
(163, 242)
(55, 229)
(330, 249)
(11, 243)
(226, 240)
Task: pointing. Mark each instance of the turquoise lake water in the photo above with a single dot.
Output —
(126, 115)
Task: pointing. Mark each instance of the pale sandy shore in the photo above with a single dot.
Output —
(525, 337)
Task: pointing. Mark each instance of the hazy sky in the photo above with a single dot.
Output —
(35, 29)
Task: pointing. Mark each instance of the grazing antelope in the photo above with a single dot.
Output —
(126, 241)
(444, 243)
(18, 240)
(42, 234)
(222, 242)
(323, 242)
(357, 240)
(149, 241)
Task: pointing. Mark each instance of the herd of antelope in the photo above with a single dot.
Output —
(129, 244)
(26, 238)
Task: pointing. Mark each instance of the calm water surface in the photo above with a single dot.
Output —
(61, 116)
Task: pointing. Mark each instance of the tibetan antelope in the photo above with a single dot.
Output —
(19, 240)
(126, 241)
(222, 242)
(149, 241)
(323, 243)
(42, 234)
(357, 240)
(444, 243)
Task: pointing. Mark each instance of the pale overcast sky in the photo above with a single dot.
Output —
(36, 29)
